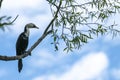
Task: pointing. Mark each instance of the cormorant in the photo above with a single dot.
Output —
(22, 43)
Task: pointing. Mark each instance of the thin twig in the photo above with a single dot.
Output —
(53, 18)
(78, 5)
(8, 23)
(14, 19)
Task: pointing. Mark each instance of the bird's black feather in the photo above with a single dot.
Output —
(22, 43)
(21, 46)
(20, 65)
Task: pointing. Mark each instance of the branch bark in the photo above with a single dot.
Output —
(45, 33)
(0, 3)
(9, 58)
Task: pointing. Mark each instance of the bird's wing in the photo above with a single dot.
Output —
(21, 44)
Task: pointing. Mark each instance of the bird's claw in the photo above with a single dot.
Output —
(28, 52)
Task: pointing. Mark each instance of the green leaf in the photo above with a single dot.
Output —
(56, 47)
(55, 38)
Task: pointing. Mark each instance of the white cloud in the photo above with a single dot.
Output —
(87, 68)
(25, 7)
(19, 24)
(21, 3)
(40, 14)
(39, 20)
(41, 59)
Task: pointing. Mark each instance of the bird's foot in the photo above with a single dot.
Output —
(28, 52)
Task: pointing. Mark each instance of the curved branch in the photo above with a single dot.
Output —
(9, 58)
(46, 32)
(9, 23)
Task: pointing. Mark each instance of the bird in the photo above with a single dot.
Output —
(22, 43)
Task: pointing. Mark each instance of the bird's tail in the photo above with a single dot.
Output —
(20, 65)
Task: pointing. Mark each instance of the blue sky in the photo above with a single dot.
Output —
(97, 60)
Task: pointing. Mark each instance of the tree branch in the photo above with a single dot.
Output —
(46, 32)
(9, 58)
(9, 23)
(39, 40)
(58, 8)
(0, 3)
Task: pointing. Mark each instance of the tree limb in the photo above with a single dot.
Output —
(0, 3)
(53, 18)
(9, 58)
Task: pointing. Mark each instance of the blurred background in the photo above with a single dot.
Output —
(97, 60)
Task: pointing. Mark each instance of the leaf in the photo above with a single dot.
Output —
(55, 38)
(56, 47)
(65, 49)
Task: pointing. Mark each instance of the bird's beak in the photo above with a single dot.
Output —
(36, 27)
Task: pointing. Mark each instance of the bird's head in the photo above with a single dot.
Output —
(31, 25)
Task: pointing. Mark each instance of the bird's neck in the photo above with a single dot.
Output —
(26, 31)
